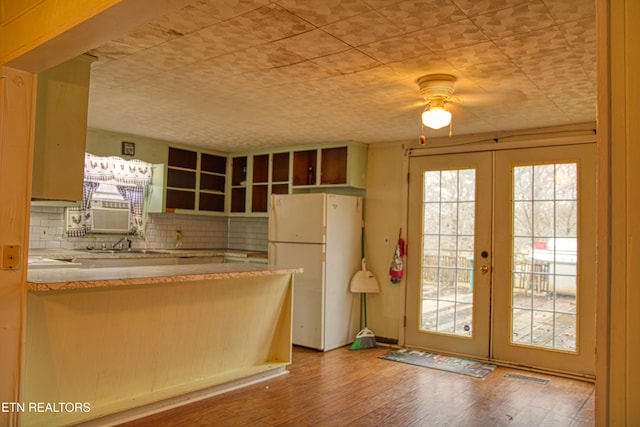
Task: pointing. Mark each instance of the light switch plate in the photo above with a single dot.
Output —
(10, 257)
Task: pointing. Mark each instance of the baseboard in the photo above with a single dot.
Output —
(384, 340)
(194, 396)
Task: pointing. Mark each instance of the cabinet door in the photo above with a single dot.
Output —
(61, 130)
(156, 194)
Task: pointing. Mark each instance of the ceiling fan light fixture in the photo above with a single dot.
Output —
(436, 117)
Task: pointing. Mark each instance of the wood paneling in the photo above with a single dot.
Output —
(121, 348)
(619, 114)
(15, 186)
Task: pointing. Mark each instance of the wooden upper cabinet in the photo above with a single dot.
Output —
(213, 171)
(180, 158)
(280, 173)
(260, 183)
(61, 130)
(238, 184)
(334, 166)
(202, 182)
(305, 167)
(261, 169)
(331, 166)
(196, 181)
(181, 179)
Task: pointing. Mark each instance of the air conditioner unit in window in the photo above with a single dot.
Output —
(110, 216)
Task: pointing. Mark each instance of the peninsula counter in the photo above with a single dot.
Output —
(116, 342)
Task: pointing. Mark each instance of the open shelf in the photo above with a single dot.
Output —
(212, 182)
(211, 202)
(334, 166)
(304, 167)
(259, 198)
(183, 158)
(280, 167)
(179, 199)
(179, 178)
(193, 177)
(238, 171)
(238, 199)
(213, 163)
(261, 168)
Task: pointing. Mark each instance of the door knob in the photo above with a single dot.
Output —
(484, 269)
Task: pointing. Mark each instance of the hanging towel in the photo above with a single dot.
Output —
(396, 269)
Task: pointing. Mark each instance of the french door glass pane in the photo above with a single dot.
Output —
(544, 276)
(448, 218)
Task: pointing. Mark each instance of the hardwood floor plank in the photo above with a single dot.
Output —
(356, 388)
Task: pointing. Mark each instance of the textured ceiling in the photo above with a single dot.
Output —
(239, 75)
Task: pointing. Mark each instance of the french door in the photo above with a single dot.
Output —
(501, 256)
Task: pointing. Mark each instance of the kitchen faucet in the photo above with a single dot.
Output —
(120, 243)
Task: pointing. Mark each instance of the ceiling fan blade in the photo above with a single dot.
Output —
(498, 98)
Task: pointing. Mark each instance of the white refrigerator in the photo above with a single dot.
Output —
(322, 234)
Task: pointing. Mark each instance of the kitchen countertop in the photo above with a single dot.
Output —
(51, 279)
(80, 278)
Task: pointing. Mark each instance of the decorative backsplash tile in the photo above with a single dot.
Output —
(195, 232)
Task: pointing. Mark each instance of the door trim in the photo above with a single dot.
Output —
(515, 141)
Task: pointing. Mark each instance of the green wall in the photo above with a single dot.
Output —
(105, 143)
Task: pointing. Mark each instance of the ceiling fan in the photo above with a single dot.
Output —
(437, 90)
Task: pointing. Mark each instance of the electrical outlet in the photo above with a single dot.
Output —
(44, 232)
(10, 257)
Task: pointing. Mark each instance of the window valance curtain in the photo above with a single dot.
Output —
(115, 170)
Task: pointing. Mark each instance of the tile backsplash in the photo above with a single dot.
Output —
(195, 232)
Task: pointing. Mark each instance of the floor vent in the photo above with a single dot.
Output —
(527, 378)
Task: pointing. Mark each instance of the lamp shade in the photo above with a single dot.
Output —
(436, 117)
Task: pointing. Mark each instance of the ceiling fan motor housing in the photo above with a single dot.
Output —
(436, 88)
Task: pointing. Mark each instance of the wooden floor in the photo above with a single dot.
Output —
(355, 388)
